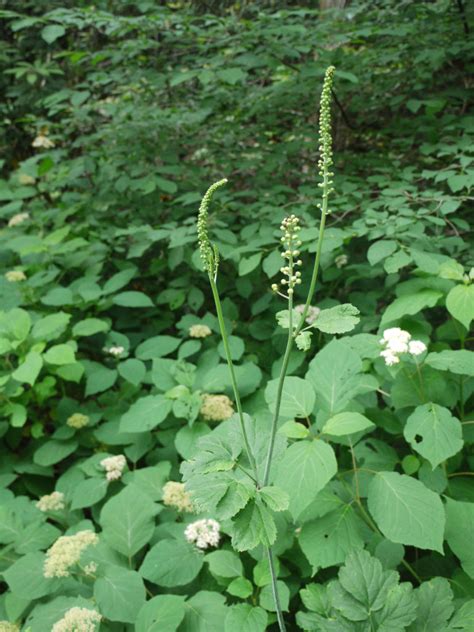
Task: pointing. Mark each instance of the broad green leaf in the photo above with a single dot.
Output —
(335, 374)
(245, 618)
(205, 612)
(434, 433)
(460, 361)
(163, 613)
(459, 530)
(464, 618)
(451, 269)
(132, 299)
(53, 452)
(224, 564)
(172, 563)
(327, 540)
(283, 318)
(381, 250)
(240, 587)
(30, 368)
(460, 303)
(293, 430)
(145, 414)
(119, 280)
(399, 609)
(132, 370)
(435, 605)
(410, 304)
(157, 347)
(59, 355)
(90, 327)
(406, 511)
(346, 423)
(50, 326)
(25, 577)
(19, 324)
(231, 75)
(52, 32)
(89, 492)
(120, 594)
(337, 320)
(150, 480)
(306, 467)
(99, 378)
(248, 264)
(267, 601)
(314, 597)
(127, 520)
(45, 615)
(297, 399)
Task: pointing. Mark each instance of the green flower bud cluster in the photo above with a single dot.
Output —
(291, 242)
(325, 140)
(209, 252)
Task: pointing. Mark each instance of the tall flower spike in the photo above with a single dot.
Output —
(209, 252)
(325, 140)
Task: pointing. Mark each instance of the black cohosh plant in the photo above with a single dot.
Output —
(252, 503)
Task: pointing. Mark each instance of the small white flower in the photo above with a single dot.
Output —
(113, 465)
(77, 420)
(203, 533)
(42, 141)
(341, 261)
(5, 626)
(115, 351)
(14, 276)
(416, 347)
(51, 502)
(66, 552)
(389, 357)
(199, 331)
(175, 495)
(17, 219)
(216, 407)
(90, 569)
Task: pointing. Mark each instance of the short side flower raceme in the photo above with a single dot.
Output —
(18, 219)
(14, 276)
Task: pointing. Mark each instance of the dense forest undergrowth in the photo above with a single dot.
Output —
(115, 119)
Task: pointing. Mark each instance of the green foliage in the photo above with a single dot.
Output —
(115, 117)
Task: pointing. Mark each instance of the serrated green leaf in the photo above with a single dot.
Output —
(406, 511)
(163, 613)
(337, 320)
(434, 433)
(297, 399)
(119, 593)
(306, 467)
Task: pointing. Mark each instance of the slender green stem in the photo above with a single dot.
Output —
(276, 598)
(230, 364)
(314, 276)
(284, 368)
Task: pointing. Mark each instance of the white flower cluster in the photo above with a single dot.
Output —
(13, 276)
(18, 219)
(203, 533)
(77, 420)
(113, 465)
(51, 502)
(78, 620)
(42, 141)
(397, 341)
(174, 495)
(216, 407)
(199, 331)
(312, 314)
(5, 626)
(66, 552)
(115, 351)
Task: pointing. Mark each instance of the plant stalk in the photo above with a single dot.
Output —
(230, 364)
(276, 598)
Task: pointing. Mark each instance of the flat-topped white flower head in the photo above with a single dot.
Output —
(203, 533)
